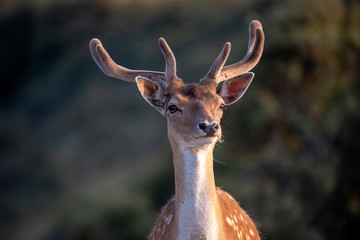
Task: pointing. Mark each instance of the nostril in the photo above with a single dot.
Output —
(202, 126)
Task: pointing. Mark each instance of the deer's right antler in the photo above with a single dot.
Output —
(110, 68)
(218, 73)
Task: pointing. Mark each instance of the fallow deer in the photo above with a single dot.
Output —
(199, 210)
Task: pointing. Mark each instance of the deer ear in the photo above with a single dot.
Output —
(233, 89)
(152, 93)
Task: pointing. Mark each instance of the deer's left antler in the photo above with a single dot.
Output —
(110, 68)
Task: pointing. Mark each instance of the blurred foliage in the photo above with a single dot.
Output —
(83, 157)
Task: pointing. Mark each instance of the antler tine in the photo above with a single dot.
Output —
(170, 70)
(252, 33)
(255, 49)
(110, 68)
(218, 63)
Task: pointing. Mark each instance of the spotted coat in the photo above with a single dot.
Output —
(235, 222)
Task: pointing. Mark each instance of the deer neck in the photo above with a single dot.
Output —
(196, 200)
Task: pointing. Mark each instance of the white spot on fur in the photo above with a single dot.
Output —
(251, 232)
(229, 195)
(162, 233)
(168, 219)
(229, 221)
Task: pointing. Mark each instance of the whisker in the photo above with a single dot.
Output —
(220, 162)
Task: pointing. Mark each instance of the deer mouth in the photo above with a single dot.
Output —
(208, 136)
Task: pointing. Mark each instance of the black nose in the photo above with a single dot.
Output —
(209, 129)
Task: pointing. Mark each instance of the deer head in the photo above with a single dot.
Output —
(193, 111)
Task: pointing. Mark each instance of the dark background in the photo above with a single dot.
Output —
(83, 156)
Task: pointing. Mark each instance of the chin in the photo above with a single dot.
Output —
(197, 142)
(204, 141)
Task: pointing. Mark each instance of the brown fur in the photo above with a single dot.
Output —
(196, 103)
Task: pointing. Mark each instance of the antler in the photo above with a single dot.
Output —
(219, 62)
(110, 68)
(218, 73)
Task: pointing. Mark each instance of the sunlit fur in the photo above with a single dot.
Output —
(197, 104)
(198, 210)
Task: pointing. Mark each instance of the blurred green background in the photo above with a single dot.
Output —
(84, 157)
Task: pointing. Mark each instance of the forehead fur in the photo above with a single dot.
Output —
(197, 91)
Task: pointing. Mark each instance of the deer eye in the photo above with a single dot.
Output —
(222, 106)
(172, 109)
